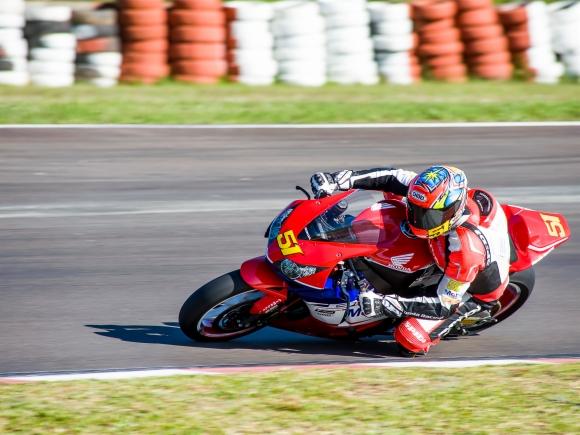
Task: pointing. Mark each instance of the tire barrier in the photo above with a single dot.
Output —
(349, 47)
(395, 42)
(299, 43)
(486, 46)
(440, 45)
(99, 56)
(198, 41)
(52, 45)
(13, 45)
(144, 37)
(529, 35)
(565, 22)
(250, 52)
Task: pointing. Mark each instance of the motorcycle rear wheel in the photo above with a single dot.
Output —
(515, 295)
(220, 310)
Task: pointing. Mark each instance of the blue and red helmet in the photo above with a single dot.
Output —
(436, 201)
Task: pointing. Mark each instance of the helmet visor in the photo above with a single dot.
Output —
(428, 218)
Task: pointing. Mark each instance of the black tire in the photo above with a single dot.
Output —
(212, 296)
(521, 285)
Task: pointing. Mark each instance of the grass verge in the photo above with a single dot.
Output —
(483, 400)
(172, 103)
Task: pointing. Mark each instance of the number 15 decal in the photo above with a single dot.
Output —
(554, 226)
(288, 244)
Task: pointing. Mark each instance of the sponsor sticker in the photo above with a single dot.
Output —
(418, 196)
(440, 230)
(450, 297)
(414, 332)
(381, 206)
(454, 285)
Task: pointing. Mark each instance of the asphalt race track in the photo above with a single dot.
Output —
(105, 232)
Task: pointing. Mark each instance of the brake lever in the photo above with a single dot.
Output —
(304, 191)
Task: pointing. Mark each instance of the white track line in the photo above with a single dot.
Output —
(566, 194)
(296, 126)
(132, 374)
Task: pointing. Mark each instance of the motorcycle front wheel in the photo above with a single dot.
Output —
(220, 310)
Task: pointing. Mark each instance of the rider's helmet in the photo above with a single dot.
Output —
(436, 201)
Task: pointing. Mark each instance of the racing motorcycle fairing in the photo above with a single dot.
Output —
(322, 253)
(258, 274)
(308, 240)
(534, 234)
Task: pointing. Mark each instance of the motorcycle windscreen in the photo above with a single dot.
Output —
(355, 219)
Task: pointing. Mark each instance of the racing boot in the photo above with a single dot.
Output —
(416, 336)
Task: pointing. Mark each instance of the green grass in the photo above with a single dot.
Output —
(488, 400)
(172, 103)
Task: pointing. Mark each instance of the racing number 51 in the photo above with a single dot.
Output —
(553, 225)
(288, 243)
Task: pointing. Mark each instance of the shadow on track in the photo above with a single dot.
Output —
(169, 333)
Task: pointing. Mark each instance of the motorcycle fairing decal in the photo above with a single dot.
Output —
(553, 225)
(401, 260)
(333, 314)
(382, 205)
(288, 244)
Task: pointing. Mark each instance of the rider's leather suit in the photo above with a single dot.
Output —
(474, 258)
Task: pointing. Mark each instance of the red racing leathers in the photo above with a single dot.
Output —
(474, 258)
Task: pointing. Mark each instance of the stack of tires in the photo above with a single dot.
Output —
(540, 57)
(565, 22)
(98, 46)
(486, 46)
(144, 34)
(299, 43)
(250, 43)
(52, 45)
(528, 30)
(13, 46)
(394, 42)
(349, 47)
(198, 38)
(440, 45)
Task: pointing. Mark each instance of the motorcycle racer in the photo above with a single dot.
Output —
(467, 234)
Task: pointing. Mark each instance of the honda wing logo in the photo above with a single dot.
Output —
(398, 262)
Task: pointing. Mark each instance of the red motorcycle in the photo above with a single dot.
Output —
(322, 252)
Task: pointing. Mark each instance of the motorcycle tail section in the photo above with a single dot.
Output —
(534, 234)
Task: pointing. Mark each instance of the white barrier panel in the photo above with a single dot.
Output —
(13, 46)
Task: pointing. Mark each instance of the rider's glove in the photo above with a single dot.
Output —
(329, 183)
(323, 182)
(374, 304)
